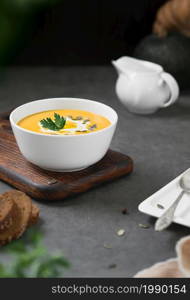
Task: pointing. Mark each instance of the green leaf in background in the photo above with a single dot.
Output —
(52, 267)
(30, 258)
(20, 6)
(3, 272)
(17, 21)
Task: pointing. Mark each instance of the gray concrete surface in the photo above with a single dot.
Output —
(160, 147)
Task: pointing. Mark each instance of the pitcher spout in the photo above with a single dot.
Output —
(125, 65)
(117, 66)
(130, 66)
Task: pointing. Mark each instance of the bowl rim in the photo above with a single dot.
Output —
(13, 124)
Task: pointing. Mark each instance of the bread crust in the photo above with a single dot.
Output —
(34, 215)
(7, 208)
(24, 204)
(10, 233)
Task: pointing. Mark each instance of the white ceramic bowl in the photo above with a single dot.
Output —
(63, 153)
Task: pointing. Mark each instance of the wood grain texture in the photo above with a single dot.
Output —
(46, 185)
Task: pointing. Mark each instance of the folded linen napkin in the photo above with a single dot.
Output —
(178, 267)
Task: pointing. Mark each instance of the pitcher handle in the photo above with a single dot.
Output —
(173, 86)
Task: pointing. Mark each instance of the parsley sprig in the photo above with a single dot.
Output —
(29, 257)
(57, 124)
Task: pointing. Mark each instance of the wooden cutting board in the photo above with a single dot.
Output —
(46, 185)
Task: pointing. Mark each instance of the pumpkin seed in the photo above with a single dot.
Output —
(145, 226)
(85, 121)
(76, 119)
(93, 127)
(112, 266)
(160, 206)
(107, 246)
(120, 232)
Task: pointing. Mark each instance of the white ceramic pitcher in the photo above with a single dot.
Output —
(143, 87)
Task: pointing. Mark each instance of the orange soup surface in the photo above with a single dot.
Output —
(64, 122)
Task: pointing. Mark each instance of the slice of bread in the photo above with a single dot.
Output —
(22, 213)
(7, 207)
(10, 233)
(17, 212)
(24, 204)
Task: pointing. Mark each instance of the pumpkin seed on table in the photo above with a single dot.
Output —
(145, 226)
(112, 266)
(120, 232)
(107, 246)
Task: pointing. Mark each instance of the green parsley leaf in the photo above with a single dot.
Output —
(59, 121)
(56, 125)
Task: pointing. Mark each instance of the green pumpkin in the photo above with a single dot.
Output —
(171, 52)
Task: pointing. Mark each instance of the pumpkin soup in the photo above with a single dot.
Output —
(64, 122)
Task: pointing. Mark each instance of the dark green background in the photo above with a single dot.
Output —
(60, 32)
